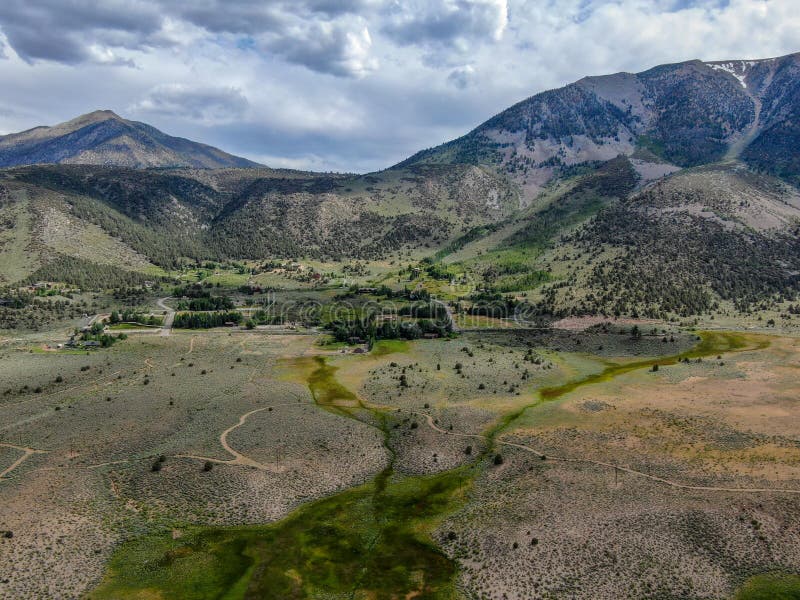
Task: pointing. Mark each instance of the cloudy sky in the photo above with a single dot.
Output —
(346, 85)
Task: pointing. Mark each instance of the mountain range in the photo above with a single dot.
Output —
(663, 193)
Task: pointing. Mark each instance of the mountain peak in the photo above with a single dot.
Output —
(99, 115)
(103, 137)
(90, 118)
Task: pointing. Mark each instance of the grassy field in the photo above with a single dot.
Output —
(770, 587)
(126, 326)
(530, 464)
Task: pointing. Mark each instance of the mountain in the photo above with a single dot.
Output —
(104, 138)
(665, 194)
(136, 219)
(677, 115)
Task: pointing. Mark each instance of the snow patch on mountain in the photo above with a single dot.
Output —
(737, 68)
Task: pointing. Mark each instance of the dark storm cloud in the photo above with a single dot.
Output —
(67, 30)
(323, 35)
(256, 16)
(218, 16)
(339, 7)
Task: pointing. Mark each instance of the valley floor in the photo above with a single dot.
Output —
(500, 464)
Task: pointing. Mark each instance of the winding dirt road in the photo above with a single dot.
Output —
(238, 457)
(600, 463)
(26, 454)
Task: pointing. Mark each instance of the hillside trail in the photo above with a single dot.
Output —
(600, 463)
(238, 457)
(26, 454)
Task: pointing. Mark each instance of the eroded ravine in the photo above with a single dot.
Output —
(371, 541)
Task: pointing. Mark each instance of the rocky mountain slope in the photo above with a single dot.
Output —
(104, 138)
(684, 114)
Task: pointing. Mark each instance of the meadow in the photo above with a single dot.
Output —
(526, 463)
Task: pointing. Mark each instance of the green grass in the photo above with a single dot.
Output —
(38, 350)
(228, 278)
(652, 146)
(770, 587)
(122, 326)
(384, 347)
(328, 392)
(372, 541)
(329, 343)
(711, 342)
(367, 539)
(474, 234)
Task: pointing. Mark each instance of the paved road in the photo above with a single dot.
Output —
(168, 318)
